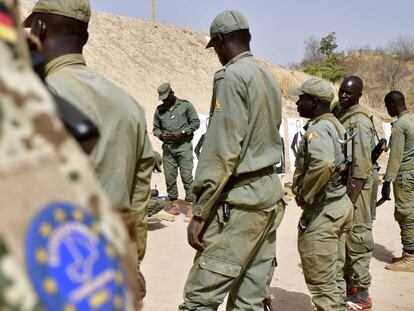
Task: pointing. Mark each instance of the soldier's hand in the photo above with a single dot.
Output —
(386, 191)
(299, 200)
(179, 136)
(193, 233)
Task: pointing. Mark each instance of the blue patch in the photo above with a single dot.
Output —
(71, 265)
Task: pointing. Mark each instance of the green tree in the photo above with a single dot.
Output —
(330, 67)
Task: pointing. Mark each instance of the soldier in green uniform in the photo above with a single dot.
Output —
(319, 191)
(175, 121)
(43, 170)
(123, 157)
(400, 172)
(239, 199)
(360, 243)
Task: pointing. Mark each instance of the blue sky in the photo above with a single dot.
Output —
(279, 28)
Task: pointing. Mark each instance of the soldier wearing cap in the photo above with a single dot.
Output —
(123, 157)
(239, 199)
(175, 121)
(43, 169)
(319, 191)
(360, 243)
(400, 172)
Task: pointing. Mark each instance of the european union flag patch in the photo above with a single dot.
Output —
(71, 265)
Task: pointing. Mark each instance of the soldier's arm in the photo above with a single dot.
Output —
(156, 125)
(321, 163)
(396, 153)
(222, 146)
(193, 121)
(363, 149)
(141, 186)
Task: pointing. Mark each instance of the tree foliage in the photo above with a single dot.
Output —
(329, 66)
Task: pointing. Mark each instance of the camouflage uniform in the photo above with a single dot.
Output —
(40, 164)
(360, 243)
(177, 155)
(236, 167)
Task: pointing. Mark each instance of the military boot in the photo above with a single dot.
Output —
(174, 208)
(189, 214)
(404, 265)
(359, 301)
(396, 259)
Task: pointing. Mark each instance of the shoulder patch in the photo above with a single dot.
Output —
(71, 264)
(312, 135)
(8, 31)
(217, 105)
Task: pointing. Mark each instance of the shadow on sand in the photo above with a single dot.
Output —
(381, 253)
(290, 301)
(154, 224)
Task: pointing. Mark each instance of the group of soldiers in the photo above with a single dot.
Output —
(73, 222)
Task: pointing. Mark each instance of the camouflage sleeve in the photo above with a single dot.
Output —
(222, 145)
(321, 155)
(396, 153)
(193, 120)
(156, 128)
(363, 148)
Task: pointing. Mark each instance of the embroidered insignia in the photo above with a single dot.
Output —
(217, 106)
(312, 135)
(71, 264)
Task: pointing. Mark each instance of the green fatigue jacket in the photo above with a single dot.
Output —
(181, 117)
(316, 176)
(243, 137)
(356, 118)
(123, 156)
(402, 146)
(40, 164)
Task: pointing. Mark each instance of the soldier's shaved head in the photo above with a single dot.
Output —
(350, 91)
(395, 103)
(59, 35)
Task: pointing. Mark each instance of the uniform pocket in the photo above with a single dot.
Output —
(218, 266)
(334, 214)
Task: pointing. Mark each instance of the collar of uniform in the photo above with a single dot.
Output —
(403, 113)
(316, 119)
(348, 111)
(322, 116)
(64, 61)
(242, 55)
(177, 102)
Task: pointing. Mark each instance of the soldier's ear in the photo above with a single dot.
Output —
(40, 30)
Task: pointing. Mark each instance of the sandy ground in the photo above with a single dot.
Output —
(169, 259)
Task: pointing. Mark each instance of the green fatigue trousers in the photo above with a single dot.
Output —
(175, 157)
(155, 206)
(239, 260)
(374, 193)
(360, 243)
(322, 250)
(404, 208)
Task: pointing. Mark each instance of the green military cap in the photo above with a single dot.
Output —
(316, 87)
(158, 162)
(76, 9)
(164, 90)
(226, 22)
